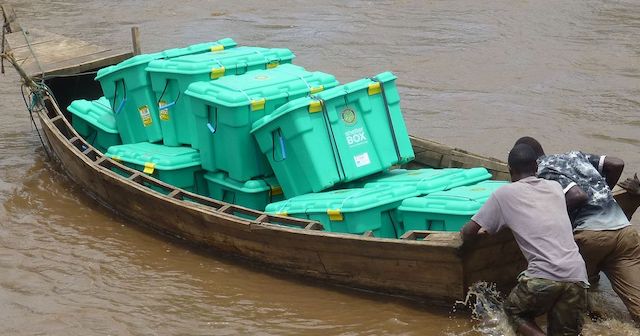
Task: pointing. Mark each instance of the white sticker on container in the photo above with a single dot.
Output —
(356, 137)
(164, 113)
(362, 160)
(145, 115)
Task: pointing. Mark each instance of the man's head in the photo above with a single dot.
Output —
(533, 143)
(522, 162)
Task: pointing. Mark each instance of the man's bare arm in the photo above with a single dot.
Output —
(612, 170)
(470, 231)
(631, 185)
(575, 197)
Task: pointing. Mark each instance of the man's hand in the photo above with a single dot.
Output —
(631, 185)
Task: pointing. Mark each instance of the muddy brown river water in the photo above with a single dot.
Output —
(473, 74)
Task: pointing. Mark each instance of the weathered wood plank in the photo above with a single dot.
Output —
(40, 52)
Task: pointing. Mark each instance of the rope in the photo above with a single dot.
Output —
(36, 99)
(35, 57)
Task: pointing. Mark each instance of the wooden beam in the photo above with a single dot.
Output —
(135, 40)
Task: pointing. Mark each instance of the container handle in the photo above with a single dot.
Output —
(169, 105)
(283, 150)
(389, 119)
(213, 128)
(115, 95)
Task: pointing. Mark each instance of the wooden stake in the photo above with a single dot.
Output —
(135, 39)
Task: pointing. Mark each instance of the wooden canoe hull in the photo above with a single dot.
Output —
(425, 265)
(434, 268)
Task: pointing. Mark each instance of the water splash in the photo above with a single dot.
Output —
(486, 304)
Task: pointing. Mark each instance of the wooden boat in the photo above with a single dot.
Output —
(422, 264)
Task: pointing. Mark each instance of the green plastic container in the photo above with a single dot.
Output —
(350, 210)
(127, 86)
(177, 166)
(446, 210)
(170, 78)
(226, 108)
(338, 135)
(254, 194)
(427, 180)
(94, 121)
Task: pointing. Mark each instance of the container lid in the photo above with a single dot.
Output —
(312, 102)
(97, 112)
(204, 47)
(155, 156)
(226, 59)
(466, 200)
(251, 186)
(176, 52)
(344, 200)
(429, 180)
(255, 87)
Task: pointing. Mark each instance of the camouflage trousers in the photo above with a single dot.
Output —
(565, 304)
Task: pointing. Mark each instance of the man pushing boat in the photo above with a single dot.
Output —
(555, 280)
(606, 239)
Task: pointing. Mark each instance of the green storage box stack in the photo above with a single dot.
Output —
(254, 194)
(338, 135)
(446, 210)
(427, 180)
(226, 108)
(95, 122)
(170, 78)
(350, 210)
(127, 86)
(178, 166)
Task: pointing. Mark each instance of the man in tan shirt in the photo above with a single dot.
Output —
(555, 280)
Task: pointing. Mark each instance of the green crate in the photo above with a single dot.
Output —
(170, 78)
(177, 166)
(338, 135)
(427, 180)
(127, 86)
(226, 108)
(254, 194)
(95, 122)
(354, 211)
(446, 210)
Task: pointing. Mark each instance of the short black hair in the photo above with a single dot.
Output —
(533, 143)
(522, 159)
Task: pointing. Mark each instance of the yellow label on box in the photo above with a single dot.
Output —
(374, 88)
(316, 89)
(315, 106)
(164, 113)
(258, 104)
(216, 48)
(149, 167)
(335, 215)
(217, 72)
(145, 115)
(276, 190)
(273, 64)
